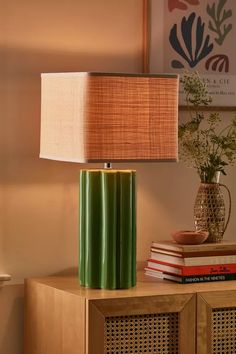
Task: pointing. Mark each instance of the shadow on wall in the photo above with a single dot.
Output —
(11, 319)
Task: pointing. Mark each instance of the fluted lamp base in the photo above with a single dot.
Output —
(107, 229)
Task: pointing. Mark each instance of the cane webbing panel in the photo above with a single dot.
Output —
(224, 331)
(149, 334)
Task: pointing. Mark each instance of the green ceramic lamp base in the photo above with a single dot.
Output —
(107, 229)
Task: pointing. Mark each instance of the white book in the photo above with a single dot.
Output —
(194, 261)
(153, 273)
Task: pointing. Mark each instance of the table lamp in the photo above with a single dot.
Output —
(108, 117)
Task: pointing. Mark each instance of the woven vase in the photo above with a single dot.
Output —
(209, 211)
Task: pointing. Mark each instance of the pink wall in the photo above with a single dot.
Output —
(39, 198)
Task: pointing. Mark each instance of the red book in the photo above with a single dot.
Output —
(191, 270)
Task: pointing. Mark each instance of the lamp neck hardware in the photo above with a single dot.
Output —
(107, 165)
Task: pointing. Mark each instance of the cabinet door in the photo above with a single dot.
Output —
(137, 325)
(216, 322)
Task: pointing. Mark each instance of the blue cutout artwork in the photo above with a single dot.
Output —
(190, 53)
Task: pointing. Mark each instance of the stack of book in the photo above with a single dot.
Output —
(192, 263)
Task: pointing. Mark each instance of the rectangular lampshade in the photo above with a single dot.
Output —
(99, 117)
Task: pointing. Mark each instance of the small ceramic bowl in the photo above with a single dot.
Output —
(186, 237)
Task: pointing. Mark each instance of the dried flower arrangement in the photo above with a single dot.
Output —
(203, 144)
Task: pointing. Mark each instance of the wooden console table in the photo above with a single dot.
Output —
(154, 317)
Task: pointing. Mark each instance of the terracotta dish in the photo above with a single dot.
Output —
(186, 237)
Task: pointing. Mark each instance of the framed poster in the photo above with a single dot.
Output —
(198, 36)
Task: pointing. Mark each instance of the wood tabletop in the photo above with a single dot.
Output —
(146, 286)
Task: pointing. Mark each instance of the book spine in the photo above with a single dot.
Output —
(197, 261)
(193, 270)
(200, 253)
(166, 258)
(218, 247)
(207, 278)
(212, 270)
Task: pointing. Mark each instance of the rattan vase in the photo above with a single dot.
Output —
(209, 211)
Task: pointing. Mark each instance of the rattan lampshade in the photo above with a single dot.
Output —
(95, 117)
